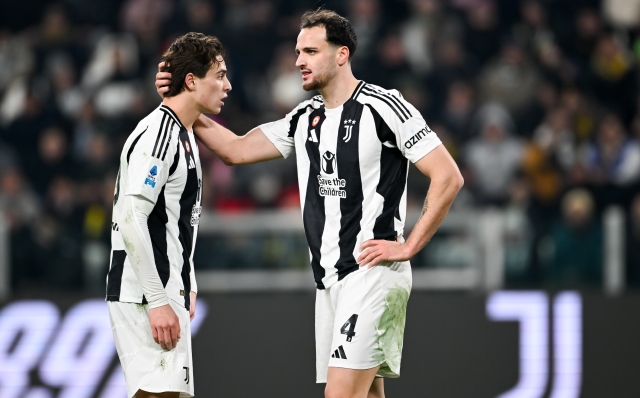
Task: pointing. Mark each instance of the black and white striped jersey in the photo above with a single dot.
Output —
(159, 162)
(352, 171)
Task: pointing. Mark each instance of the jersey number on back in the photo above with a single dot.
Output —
(349, 327)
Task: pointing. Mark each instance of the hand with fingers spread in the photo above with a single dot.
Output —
(192, 306)
(163, 80)
(165, 326)
(372, 252)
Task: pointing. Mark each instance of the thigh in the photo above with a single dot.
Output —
(146, 365)
(370, 317)
(324, 319)
(348, 383)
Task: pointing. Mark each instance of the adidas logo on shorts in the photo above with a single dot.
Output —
(339, 353)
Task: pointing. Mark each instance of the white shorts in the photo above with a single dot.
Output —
(360, 320)
(146, 365)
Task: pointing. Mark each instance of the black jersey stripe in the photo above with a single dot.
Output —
(157, 224)
(133, 144)
(386, 101)
(348, 162)
(176, 158)
(114, 278)
(392, 98)
(389, 98)
(358, 89)
(393, 177)
(169, 132)
(160, 131)
(188, 200)
(293, 124)
(173, 115)
(313, 214)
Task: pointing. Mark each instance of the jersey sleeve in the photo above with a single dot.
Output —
(281, 132)
(413, 137)
(149, 160)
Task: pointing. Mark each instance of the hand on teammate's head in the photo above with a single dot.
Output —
(163, 80)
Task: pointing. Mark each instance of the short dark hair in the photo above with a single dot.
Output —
(192, 53)
(339, 30)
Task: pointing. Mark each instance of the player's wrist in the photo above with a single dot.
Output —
(409, 250)
(158, 302)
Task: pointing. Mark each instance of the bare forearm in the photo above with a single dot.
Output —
(252, 147)
(437, 204)
(218, 139)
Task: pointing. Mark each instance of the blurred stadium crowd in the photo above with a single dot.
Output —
(537, 100)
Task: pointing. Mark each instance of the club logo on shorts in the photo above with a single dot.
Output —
(151, 177)
(186, 379)
(329, 162)
(315, 121)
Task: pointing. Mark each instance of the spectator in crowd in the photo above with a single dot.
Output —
(483, 34)
(459, 110)
(613, 158)
(518, 232)
(510, 80)
(494, 158)
(588, 26)
(577, 242)
(611, 74)
(19, 204)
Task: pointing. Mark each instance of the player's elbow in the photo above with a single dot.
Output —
(230, 158)
(453, 180)
(458, 180)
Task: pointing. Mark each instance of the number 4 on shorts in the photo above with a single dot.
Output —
(349, 327)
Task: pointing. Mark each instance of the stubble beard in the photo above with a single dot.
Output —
(319, 82)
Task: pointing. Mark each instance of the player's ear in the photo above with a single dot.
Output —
(343, 55)
(190, 81)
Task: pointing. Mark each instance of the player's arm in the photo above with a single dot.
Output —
(446, 181)
(135, 234)
(252, 147)
(232, 149)
(147, 173)
(194, 292)
(418, 143)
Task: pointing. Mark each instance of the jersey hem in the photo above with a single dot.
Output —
(136, 300)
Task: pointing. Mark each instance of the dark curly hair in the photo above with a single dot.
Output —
(339, 30)
(192, 53)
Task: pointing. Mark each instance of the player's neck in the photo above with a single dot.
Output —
(184, 108)
(339, 90)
